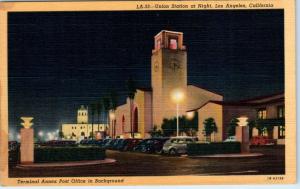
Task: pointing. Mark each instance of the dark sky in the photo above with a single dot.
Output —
(59, 60)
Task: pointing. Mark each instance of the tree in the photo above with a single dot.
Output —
(99, 111)
(189, 126)
(91, 135)
(251, 125)
(209, 127)
(106, 107)
(113, 99)
(131, 90)
(232, 125)
(93, 109)
(156, 132)
(60, 134)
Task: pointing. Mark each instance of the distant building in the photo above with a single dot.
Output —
(83, 129)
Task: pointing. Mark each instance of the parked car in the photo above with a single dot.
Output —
(59, 143)
(105, 141)
(129, 144)
(84, 142)
(13, 145)
(177, 145)
(141, 146)
(230, 139)
(110, 144)
(13, 152)
(262, 140)
(117, 143)
(152, 145)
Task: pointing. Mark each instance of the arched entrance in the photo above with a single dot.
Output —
(123, 124)
(135, 121)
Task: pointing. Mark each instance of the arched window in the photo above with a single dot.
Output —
(135, 121)
(123, 123)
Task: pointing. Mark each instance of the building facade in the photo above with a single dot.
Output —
(83, 129)
(266, 113)
(137, 117)
(151, 106)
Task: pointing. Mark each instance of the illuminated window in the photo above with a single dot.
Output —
(262, 113)
(173, 44)
(281, 132)
(280, 111)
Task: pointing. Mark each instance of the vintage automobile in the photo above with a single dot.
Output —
(177, 145)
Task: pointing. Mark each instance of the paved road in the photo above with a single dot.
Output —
(130, 164)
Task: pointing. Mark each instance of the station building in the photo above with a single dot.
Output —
(151, 106)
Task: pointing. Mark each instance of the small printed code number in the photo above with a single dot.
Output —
(275, 178)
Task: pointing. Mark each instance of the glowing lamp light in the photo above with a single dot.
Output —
(112, 115)
(243, 121)
(27, 122)
(190, 115)
(41, 133)
(177, 95)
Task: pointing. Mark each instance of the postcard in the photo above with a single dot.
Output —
(104, 93)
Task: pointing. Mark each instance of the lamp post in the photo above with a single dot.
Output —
(242, 134)
(177, 96)
(27, 141)
(112, 117)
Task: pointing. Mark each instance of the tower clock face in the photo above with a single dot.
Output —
(174, 64)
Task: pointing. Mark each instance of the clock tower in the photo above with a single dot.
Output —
(168, 73)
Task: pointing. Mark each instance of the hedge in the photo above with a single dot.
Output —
(50, 154)
(213, 148)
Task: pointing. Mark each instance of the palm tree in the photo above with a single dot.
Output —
(131, 90)
(106, 106)
(93, 109)
(209, 127)
(113, 99)
(99, 110)
(232, 125)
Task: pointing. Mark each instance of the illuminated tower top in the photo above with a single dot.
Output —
(82, 115)
(168, 39)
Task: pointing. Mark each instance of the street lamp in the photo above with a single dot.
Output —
(177, 96)
(242, 134)
(190, 115)
(243, 121)
(112, 117)
(41, 134)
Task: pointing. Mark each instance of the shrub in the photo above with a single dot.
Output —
(213, 148)
(49, 154)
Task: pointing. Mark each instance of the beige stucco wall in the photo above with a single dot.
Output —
(123, 110)
(197, 97)
(78, 128)
(148, 114)
(143, 102)
(139, 103)
(215, 111)
(165, 79)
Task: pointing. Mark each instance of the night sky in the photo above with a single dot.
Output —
(59, 60)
